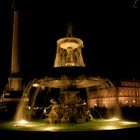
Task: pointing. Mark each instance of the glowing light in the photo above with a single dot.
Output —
(35, 85)
(51, 128)
(128, 123)
(126, 101)
(22, 122)
(113, 119)
(133, 101)
(110, 127)
(29, 107)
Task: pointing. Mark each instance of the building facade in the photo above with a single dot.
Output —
(126, 93)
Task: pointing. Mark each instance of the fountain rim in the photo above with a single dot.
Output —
(72, 42)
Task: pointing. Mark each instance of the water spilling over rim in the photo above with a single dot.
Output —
(78, 77)
(64, 81)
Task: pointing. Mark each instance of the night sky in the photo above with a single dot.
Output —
(110, 30)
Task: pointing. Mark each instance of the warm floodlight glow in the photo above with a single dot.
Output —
(35, 85)
(133, 101)
(128, 123)
(51, 128)
(110, 127)
(22, 122)
(113, 119)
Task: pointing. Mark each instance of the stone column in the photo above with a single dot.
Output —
(15, 67)
(15, 80)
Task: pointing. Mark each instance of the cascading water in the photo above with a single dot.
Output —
(69, 94)
(69, 97)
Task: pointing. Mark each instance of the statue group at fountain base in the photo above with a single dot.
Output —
(67, 113)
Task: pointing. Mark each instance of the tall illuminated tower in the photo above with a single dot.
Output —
(15, 80)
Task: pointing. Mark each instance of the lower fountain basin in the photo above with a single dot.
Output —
(99, 129)
(43, 125)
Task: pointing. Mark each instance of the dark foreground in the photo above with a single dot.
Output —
(121, 134)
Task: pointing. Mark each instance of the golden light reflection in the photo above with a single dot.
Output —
(52, 128)
(22, 122)
(128, 123)
(110, 127)
(35, 85)
(113, 119)
(97, 125)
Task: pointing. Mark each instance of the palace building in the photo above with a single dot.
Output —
(127, 94)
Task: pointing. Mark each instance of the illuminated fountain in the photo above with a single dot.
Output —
(63, 97)
(62, 101)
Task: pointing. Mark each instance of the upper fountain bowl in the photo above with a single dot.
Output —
(70, 42)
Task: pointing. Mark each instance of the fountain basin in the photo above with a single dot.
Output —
(99, 129)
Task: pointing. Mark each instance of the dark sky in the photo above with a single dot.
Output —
(110, 30)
